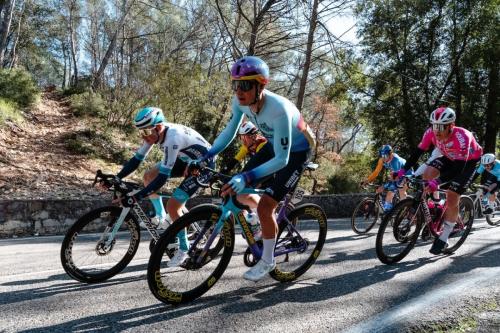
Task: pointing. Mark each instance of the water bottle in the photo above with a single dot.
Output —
(253, 221)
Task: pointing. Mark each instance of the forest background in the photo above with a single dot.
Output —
(109, 58)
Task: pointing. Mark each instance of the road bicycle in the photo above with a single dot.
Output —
(400, 228)
(370, 210)
(479, 206)
(300, 239)
(101, 243)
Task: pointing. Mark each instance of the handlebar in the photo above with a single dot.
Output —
(115, 184)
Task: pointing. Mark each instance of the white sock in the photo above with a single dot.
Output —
(268, 251)
(447, 229)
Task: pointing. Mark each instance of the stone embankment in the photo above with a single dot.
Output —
(54, 217)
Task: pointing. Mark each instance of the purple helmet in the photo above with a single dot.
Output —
(250, 68)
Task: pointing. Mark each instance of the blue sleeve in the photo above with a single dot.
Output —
(154, 186)
(129, 167)
(281, 143)
(227, 135)
(480, 169)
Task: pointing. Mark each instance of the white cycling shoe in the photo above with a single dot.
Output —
(178, 259)
(160, 223)
(259, 271)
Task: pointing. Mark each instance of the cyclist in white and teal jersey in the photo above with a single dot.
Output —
(289, 146)
(490, 179)
(179, 145)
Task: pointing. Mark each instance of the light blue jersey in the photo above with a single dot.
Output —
(395, 164)
(280, 122)
(495, 171)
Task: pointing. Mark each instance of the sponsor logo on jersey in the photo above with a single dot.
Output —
(461, 140)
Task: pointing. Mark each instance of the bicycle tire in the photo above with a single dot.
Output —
(161, 278)
(494, 219)
(392, 252)
(364, 216)
(464, 224)
(287, 237)
(89, 228)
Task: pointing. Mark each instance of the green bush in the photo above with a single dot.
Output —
(349, 174)
(18, 86)
(97, 145)
(88, 104)
(83, 86)
(9, 111)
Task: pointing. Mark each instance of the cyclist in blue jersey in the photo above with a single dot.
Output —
(180, 144)
(490, 179)
(392, 162)
(289, 145)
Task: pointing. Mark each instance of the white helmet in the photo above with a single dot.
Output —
(247, 128)
(487, 159)
(443, 116)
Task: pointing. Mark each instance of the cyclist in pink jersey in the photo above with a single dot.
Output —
(461, 153)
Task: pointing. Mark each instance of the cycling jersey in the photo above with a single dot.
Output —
(396, 163)
(279, 121)
(461, 145)
(179, 142)
(495, 171)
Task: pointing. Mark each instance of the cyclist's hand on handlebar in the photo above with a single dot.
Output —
(193, 166)
(226, 190)
(432, 185)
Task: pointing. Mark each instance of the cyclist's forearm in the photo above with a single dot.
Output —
(412, 161)
(226, 136)
(129, 167)
(152, 187)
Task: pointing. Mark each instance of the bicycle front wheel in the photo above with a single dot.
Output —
(494, 218)
(299, 243)
(398, 232)
(365, 216)
(463, 226)
(87, 255)
(200, 271)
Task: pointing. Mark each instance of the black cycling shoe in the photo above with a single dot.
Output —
(438, 246)
(487, 211)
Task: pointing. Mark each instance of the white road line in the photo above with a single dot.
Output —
(422, 303)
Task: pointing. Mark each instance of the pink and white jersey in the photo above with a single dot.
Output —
(461, 145)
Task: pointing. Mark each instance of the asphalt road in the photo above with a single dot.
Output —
(347, 290)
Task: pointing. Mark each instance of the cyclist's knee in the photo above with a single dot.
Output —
(430, 173)
(266, 206)
(174, 207)
(150, 175)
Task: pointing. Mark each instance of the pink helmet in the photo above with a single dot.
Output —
(443, 116)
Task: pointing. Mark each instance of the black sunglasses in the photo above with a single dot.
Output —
(244, 85)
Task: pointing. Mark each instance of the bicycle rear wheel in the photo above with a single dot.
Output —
(494, 218)
(463, 226)
(300, 240)
(365, 216)
(398, 232)
(84, 253)
(175, 285)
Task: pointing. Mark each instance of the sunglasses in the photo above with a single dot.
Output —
(244, 85)
(439, 127)
(146, 131)
(489, 165)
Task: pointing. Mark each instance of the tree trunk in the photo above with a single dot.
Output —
(72, 42)
(492, 110)
(307, 63)
(8, 11)
(111, 47)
